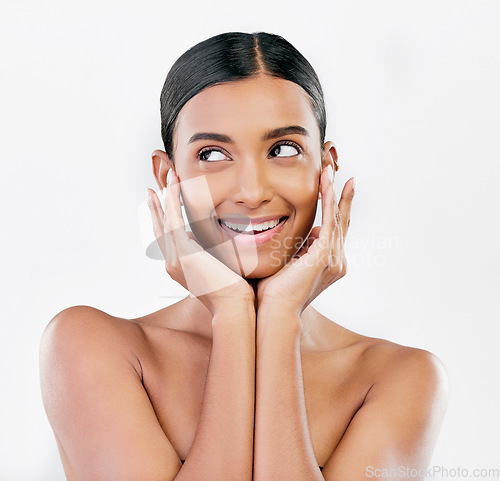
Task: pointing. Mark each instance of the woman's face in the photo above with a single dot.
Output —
(248, 156)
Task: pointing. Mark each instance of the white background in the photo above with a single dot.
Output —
(413, 104)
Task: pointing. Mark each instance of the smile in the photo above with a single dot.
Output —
(252, 233)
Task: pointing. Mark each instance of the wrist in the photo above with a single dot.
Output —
(235, 313)
(279, 323)
(230, 301)
(271, 308)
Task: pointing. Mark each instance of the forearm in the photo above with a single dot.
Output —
(283, 448)
(223, 445)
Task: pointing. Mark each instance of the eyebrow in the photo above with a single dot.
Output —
(270, 134)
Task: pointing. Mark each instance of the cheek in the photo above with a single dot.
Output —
(305, 214)
(301, 189)
(199, 199)
(199, 214)
(202, 217)
(303, 175)
(303, 197)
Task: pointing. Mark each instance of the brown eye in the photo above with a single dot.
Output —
(211, 155)
(285, 149)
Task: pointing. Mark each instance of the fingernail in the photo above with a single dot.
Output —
(147, 195)
(354, 184)
(164, 193)
(169, 177)
(330, 172)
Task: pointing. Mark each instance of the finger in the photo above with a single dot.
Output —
(325, 237)
(175, 220)
(345, 205)
(157, 217)
(171, 247)
(337, 252)
(176, 204)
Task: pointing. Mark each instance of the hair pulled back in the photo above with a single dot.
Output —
(235, 56)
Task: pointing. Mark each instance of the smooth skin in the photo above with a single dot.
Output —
(246, 381)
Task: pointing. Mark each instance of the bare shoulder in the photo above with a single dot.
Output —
(81, 322)
(393, 362)
(87, 331)
(411, 378)
(92, 388)
(83, 318)
(386, 369)
(382, 359)
(404, 399)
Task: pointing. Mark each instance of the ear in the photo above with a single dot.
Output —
(161, 165)
(329, 158)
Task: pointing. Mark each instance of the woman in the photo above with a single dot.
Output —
(243, 379)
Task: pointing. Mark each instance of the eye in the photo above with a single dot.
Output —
(286, 149)
(211, 155)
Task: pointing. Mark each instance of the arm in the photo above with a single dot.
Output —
(283, 448)
(394, 432)
(105, 423)
(98, 409)
(282, 438)
(395, 429)
(223, 445)
(397, 424)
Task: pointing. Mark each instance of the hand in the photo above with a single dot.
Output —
(321, 259)
(204, 276)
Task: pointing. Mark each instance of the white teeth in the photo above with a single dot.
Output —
(250, 228)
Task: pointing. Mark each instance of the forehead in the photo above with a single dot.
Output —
(246, 107)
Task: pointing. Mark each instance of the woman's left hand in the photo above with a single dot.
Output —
(321, 259)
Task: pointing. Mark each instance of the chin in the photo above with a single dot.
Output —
(262, 272)
(254, 266)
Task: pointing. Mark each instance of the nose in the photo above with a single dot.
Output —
(252, 186)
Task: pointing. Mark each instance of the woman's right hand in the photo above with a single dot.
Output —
(204, 276)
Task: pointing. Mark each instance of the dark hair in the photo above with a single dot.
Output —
(235, 56)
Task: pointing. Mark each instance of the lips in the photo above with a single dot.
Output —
(251, 227)
(252, 231)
